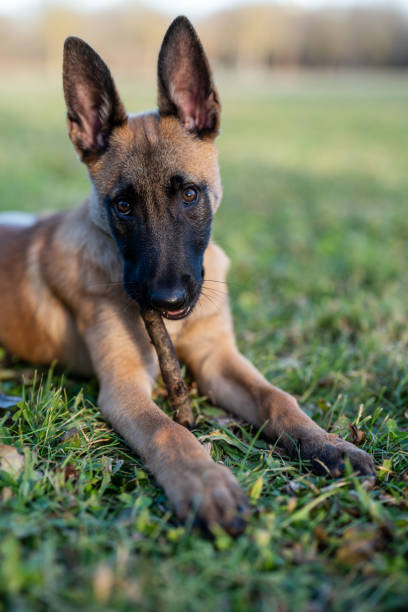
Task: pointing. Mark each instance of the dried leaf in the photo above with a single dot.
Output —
(359, 544)
(71, 433)
(70, 472)
(256, 490)
(356, 435)
(103, 583)
(327, 381)
(8, 401)
(292, 503)
(321, 535)
(10, 460)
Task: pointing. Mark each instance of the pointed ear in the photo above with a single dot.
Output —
(93, 105)
(186, 88)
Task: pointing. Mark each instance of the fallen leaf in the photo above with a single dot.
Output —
(321, 535)
(292, 503)
(356, 435)
(70, 472)
(8, 401)
(103, 583)
(359, 544)
(71, 433)
(327, 381)
(256, 489)
(10, 460)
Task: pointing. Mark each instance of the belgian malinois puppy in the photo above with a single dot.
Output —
(73, 285)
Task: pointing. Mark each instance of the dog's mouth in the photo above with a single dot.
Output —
(181, 313)
(174, 315)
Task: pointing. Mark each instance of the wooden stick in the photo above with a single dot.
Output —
(169, 367)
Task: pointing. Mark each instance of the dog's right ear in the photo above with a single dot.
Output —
(93, 104)
(186, 88)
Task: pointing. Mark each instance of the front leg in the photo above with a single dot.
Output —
(232, 382)
(122, 356)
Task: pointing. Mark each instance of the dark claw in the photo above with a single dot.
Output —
(236, 526)
(328, 457)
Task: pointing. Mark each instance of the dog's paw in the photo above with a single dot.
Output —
(211, 495)
(327, 454)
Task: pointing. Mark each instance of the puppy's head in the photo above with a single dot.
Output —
(155, 176)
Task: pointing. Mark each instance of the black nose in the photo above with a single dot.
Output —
(168, 299)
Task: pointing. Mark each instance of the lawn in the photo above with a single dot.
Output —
(314, 218)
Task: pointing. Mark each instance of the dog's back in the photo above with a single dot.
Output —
(34, 323)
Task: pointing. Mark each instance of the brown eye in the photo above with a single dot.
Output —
(190, 195)
(123, 208)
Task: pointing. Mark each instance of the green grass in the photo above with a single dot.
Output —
(314, 219)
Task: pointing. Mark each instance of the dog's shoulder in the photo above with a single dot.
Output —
(216, 263)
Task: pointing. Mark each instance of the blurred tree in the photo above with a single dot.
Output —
(263, 36)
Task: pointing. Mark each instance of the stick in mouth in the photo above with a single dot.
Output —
(169, 367)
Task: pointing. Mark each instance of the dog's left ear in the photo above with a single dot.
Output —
(186, 88)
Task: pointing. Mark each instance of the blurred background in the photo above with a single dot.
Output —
(238, 35)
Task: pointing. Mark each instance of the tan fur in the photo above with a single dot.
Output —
(62, 299)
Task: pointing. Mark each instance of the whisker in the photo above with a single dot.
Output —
(229, 283)
(215, 291)
(212, 301)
